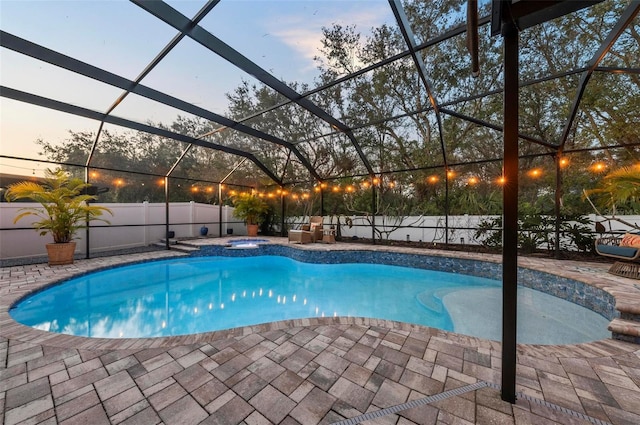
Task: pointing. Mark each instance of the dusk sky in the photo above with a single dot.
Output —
(282, 36)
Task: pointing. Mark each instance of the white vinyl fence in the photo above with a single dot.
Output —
(135, 225)
(431, 229)
(131, 225)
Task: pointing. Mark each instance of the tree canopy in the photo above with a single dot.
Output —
(389, 114)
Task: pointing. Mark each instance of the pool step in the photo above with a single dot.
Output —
(185, 248)
(178, 246)
(625, 330)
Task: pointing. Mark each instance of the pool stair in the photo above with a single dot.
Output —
(627, 326)
(183, 246)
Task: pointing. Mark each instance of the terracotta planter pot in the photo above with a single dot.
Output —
(61, 253)
(252, 229)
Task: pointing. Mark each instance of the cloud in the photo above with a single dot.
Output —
(303, 33)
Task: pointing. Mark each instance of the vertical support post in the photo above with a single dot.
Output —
(510, 214)
(373, 209)
(282, 210)
(321, 200)
(446, 206)
(86, 231)
(220, 209)
(145, 218)
(558, 199)
(166, 211)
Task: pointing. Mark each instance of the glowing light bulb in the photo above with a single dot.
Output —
(535, 173)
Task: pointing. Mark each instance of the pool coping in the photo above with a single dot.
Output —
(17, 282)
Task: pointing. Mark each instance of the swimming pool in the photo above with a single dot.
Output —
(201, 294)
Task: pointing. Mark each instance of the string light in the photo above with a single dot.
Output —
(451, 174)
(535, 173)
(564, 162)
(598, 167)
(303, 195)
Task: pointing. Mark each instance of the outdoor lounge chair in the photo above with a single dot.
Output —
(301, 236)
(315, 227)
(628, 266)
(308, 233)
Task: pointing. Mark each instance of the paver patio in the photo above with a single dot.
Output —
(321, 370)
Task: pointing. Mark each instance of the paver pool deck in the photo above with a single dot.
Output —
(321, 370)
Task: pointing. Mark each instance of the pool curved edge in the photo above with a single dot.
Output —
(41, 276)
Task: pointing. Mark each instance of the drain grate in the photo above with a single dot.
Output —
(555, 407)
(569, 412)
(456, 392)
(411, 404)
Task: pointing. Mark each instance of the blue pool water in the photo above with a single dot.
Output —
(201, 294)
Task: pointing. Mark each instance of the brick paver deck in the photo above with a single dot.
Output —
(308, 371)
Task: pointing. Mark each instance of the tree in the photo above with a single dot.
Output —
(619, 190)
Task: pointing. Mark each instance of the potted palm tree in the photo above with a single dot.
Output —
(251, 209)
(64, 209)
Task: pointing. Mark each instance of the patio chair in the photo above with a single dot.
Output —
(626, 249)
(301, 236)
(315, 227)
